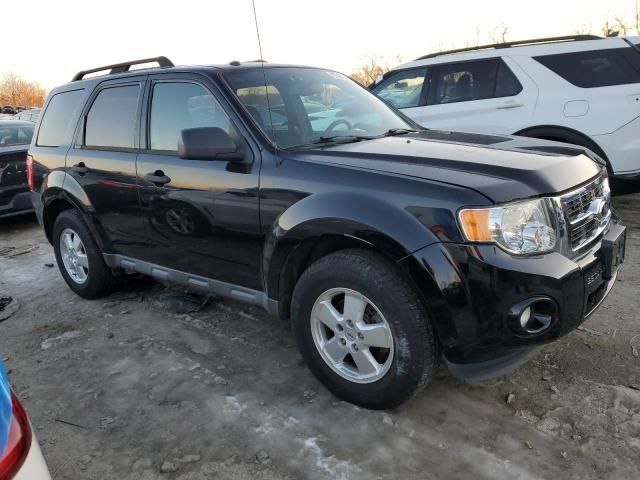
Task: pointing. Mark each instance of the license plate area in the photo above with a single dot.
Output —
(613, 250)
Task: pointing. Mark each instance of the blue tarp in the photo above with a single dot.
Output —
(6, 410)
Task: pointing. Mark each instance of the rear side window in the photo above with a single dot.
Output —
(507, 85)
(112, 119)
(403, 89)
(11, 135)
(595, 68)
(61, 110)
(469, 81)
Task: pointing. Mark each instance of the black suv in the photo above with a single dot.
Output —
(293, 188)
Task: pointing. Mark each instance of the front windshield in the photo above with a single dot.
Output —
(300, 107)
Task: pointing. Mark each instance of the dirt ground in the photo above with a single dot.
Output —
(120, 388)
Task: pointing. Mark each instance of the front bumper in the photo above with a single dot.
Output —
(470, 290)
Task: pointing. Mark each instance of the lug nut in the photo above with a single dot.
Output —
(355, 347)
(349, 324)
(360, 336)
(339, 327)
(343, 341)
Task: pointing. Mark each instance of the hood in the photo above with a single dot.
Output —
(502, 168)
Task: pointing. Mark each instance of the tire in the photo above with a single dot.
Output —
(392, 305)
(98, 280)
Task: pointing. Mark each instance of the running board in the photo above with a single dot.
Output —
(215, 287)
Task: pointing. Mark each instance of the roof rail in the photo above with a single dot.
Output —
(566, 38)
(123, 67)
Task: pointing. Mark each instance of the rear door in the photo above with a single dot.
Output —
(202, 216)
(103, 162)
(482, 96)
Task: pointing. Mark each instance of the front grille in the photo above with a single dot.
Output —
(587, 211)
(577, 204)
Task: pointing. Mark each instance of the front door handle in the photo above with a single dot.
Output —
(509, 104)
(80, 168)
(158, 178)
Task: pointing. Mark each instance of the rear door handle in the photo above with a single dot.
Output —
(80, 168)
(158, 178)
(509, 104)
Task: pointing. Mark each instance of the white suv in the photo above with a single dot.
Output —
(581, 89)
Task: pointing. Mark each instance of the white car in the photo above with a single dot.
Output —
(580, 89)
(20, 455)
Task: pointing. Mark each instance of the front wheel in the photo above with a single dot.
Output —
(363, 330)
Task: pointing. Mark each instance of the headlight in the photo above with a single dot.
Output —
(520, 228)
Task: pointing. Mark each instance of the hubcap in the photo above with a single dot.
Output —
(74, 256)
(352, 335)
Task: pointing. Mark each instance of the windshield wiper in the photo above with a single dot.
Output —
(399, 131)
(344, 138)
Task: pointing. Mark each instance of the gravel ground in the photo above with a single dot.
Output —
(121, 388)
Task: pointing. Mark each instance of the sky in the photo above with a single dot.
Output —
(56, 38)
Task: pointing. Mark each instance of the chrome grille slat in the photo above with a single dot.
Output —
(587, 211)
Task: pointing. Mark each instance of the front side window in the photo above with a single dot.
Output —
(176, 106)
(464, 82)
(112, 119)
(595, 68)
(403, 89)
(61, 109)
(300, 107)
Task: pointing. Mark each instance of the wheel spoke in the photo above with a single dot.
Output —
(354, 306)
(327, 314)
(80, 272)
(68, 241)
(367, 365)
(76, 242)
(375, 335)
(83, 260)
(334, 350)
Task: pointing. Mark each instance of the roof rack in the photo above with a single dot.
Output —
(566, 38)
(123, 67)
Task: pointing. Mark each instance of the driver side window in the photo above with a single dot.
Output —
(404, 89)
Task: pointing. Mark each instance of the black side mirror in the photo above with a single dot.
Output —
(207, 143)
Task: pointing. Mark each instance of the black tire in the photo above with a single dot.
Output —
(378, 279)
(100, 279)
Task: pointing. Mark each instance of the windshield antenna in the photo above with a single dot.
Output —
(264, 74)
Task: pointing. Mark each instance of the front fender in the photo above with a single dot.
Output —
(371, 221)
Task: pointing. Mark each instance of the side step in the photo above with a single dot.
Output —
(215, 287)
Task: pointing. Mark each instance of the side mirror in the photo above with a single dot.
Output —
(207, 143)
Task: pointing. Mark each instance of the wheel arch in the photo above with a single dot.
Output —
(59, 196)
(313, 228)
(565, 134)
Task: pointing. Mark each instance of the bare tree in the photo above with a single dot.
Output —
(584, 29)
(609, 30)
(374, 67)
(499, 34)
(16, 91)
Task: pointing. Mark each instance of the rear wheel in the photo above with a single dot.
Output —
(363, 330)
(79, 259)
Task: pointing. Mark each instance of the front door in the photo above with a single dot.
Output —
(201, 216)
(103, 162)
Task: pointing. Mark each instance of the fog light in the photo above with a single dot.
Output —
(533, 316)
